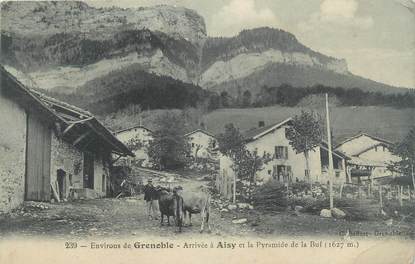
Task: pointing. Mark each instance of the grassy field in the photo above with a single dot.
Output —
(386, 122)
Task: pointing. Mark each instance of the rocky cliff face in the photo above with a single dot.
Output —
(227, 59)
(49, 18)
(65, 45)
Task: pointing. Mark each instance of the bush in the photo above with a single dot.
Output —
(299, 187)
(271, 197)
(407, 211)
(355, 210)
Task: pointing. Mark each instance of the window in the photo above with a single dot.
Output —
(214, 144)
(281, 152)
(376, 148)
(337, 174)
(285, 131)
(193, 145)
(307, 174)
(103, 183)
(384, 149)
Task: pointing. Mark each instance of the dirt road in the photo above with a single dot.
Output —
(105, 217)
(126, 217)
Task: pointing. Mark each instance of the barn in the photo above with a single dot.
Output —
(50, 149)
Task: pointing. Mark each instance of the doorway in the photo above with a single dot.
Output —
(61, 177)
(283, 173)
(88, 170)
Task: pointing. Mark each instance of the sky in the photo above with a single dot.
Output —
(376, 37)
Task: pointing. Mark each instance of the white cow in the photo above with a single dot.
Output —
(197, 202)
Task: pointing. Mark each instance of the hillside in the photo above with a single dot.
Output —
(132, 86)
(276, 74)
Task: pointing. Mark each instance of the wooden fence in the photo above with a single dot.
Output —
(225, 184)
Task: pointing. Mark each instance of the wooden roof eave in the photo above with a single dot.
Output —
(27, 100)
(117, 146)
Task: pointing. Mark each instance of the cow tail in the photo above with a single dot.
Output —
(207, 208)
(179, 209)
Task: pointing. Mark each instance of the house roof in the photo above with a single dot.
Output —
(362, 146)
(365, 162)
(199, 130)
(256, 133)
(347, 139)
(340, 154)
(363, 150)
(74, 124)
(134, 127)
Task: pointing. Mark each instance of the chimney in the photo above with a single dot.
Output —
(261, 124)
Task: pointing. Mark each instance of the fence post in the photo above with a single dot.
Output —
(380, 197)
(234, 188)
(400, 195)
(371, 186)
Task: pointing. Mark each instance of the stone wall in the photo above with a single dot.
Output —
(69, 159)
(12, 154)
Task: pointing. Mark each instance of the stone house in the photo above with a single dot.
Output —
(49, 148)
(369, 156)
(201, 143)
(140, 134)
(286, 165)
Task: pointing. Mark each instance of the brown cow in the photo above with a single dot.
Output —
(195, 203)
(171, 204)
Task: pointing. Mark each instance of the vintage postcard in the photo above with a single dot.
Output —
(220, 131)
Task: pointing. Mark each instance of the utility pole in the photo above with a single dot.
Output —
(413, 180)
(330, 172)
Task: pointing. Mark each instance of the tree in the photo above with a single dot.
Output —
(135, 144)
(406, 151)
(245, 163)
(231, 141)
(224, 98)
(305, 134)
(246, 98)
(169, 149)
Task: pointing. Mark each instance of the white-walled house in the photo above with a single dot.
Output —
(141, 134)
(200, 141)
(287, 165)
(49, 148)
(369, 156)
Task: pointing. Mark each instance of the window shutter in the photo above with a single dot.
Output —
(286, 152)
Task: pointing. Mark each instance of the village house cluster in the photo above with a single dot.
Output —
(355, 159)
(53, 150)
(201, 143)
